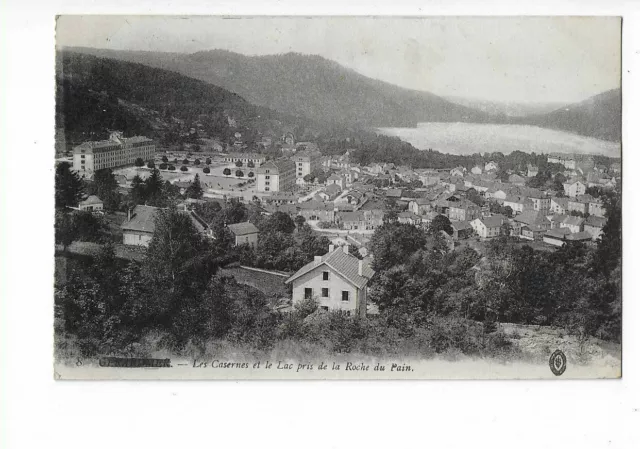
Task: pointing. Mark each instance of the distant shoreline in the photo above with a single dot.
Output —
(463, 138)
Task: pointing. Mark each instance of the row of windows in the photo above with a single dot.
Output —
(325, 293)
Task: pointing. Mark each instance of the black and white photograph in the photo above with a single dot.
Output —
(334, 197)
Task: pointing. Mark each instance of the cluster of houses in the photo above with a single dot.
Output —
(354, 199)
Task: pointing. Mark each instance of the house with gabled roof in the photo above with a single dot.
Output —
(140, 225)
(244, 233)
(336, 280)
(91, 204)
(317, 211)
(575, 224)
(420, 206)
(461, 229)
(574, 188)
(488, 227)
(518, 204)
(556, 237)
(559, 205)
(594, 225)
(517, 180)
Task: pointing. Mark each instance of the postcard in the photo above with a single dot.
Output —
(265, 197)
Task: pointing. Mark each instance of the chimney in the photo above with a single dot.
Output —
(128, 214)
(331, 248)
(345, 248)
(360, 267)
(317, 260)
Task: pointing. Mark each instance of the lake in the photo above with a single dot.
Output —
(469, 138)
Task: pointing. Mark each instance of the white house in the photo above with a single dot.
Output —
(574, 188)
(488, 227)
(337, 280)
(91, 204)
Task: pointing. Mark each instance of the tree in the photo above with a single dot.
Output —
(171, 167)
(238, 164)
(154, 189)
(183, 168)
(226, 172)
(250, 174)
(64, 229)
(239, 173)
(89, 227)
(196, 162)
(151, 164)
(440, 223)
(139, 162)
(393, 242)
(179, 266)
(68, 186)
(163, 166)
(195, 189)
(208, 161)
(165, 159)
(206, 170)
(279, 222)
(106, 188)
(138, 190)
(309, 178)
(299, 221)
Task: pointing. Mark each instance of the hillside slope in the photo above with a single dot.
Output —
(97, 94)
(599, 116)
(307, 85)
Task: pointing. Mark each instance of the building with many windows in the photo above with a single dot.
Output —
(276, 176)
(307, 162)
(117, 151)
(255, 158)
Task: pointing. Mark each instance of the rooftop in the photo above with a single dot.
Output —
(142, 219)
(243, 228)
(345, 264)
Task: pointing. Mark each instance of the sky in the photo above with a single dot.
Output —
(508, 59)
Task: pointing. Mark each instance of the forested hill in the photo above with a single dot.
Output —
(307, 85)
(599, 116)
(97, 94)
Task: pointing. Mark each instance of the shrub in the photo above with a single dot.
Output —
(239, 173)
(185, 161)
(250, 164)
(238, 164)
(196, 162)
(151, 164)
(165, 159)
(183, 168)
(172, 167)
(206, 170)
(250, 175)
(208, 161)
(163, 166)
(226, 172)
(139, 162)
(175, 160)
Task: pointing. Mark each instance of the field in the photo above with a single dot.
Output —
(469, 138)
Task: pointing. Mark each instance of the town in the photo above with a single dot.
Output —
(313, 230)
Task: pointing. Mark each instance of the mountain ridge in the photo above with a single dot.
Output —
(323, 90)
